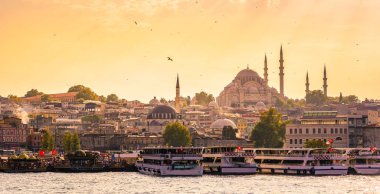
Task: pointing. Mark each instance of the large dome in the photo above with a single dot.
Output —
(245, 73)
(220, 123)
(162, 112)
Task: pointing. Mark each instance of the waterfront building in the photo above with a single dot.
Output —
(317, 125)
(13, 133)
(364, 131)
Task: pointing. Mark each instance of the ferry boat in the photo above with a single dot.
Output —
(228, 160)
(364, 161)
(22, 163)
(81, 161)
(174, 161)
(300, 161)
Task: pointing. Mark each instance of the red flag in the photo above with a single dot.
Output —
(372, 149)
(41, 153)
(330, 150)
(54, 152)
(238, 148)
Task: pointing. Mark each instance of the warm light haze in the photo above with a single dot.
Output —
(122, 47)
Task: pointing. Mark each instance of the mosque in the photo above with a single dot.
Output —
(249, 89)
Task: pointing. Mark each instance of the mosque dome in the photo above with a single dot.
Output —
(220, 123)
(245, 73)
(154, 101)
(260, 106)
(162, 112)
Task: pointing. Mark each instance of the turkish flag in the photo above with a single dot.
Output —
(41, 153)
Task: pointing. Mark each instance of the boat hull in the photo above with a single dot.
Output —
(367, 169)
(167, 171)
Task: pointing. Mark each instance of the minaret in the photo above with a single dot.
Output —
(177, 96)
(307, 83)
(265, 70)
(281, 72)
(325, 82)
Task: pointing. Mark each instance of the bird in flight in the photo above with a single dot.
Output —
(135, 22)
(170, 59)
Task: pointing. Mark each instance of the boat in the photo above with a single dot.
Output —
(300, 161)
(81, 161)
(173, 161)
(363, 161)
(227, 161)
(21, 164)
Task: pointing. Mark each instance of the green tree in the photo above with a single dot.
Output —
(33, 92)
(45, 98)
(351, 99)
(75, 142)
(315, 144)
(66, 141)
(228, 133)
(14, 98)
(203, 98)
(269, 131)
(188, 100)
(163, 101)
(84, 92)
(102, 98)
(316, 97)
(176, 134)
(47, 141)
(112, 98)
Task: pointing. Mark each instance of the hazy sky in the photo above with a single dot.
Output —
(52, 45)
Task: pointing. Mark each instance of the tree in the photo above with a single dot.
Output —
(102, 98)
(112, 98)
(341, 98)
(14, 98)
(188, 100)
(75, 142)
(315, 144)
(47, 141)
(228, 133)
(176, 134)
(66, 141)
(269, 131)
(351, 99)
(163, 101)
(45, 98)
(316, 97)
(203, 98)
(33, 92)
(83, 92)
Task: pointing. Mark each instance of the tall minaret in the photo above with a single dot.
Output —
(325, 82)
(281, 73)
(265, 70)
(307, 83)
(177, 96)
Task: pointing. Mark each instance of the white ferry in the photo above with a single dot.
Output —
(228, 160)
(364, 161)
(300, 161)
(174, 161)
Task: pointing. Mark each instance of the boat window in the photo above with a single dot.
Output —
(293, 162)
(361, 161)
(271, 161)
(218, 160)
(238, 159)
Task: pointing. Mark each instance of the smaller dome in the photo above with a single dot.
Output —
(260, 106)
(220, 123)
(213, 104)
(154, 101)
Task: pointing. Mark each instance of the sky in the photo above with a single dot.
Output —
(121, 47)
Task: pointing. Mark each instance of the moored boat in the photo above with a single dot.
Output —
(174, 161)
(364, 161)
(228, 160)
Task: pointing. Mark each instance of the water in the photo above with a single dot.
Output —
(128, 182)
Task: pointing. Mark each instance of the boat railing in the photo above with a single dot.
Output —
(283, 155)
(172, 155)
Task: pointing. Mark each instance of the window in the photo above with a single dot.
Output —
(336, 130)
(295, 131)
(295, 141)
(291, 141)
(291, 131)
(307, 131)
(345, 130)
(324, 130)
(300, 141)
(313, 130)
(341, 131)
(300, 130)
(319, 130)
(332, 131)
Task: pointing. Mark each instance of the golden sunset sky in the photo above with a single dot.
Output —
(52, 45)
